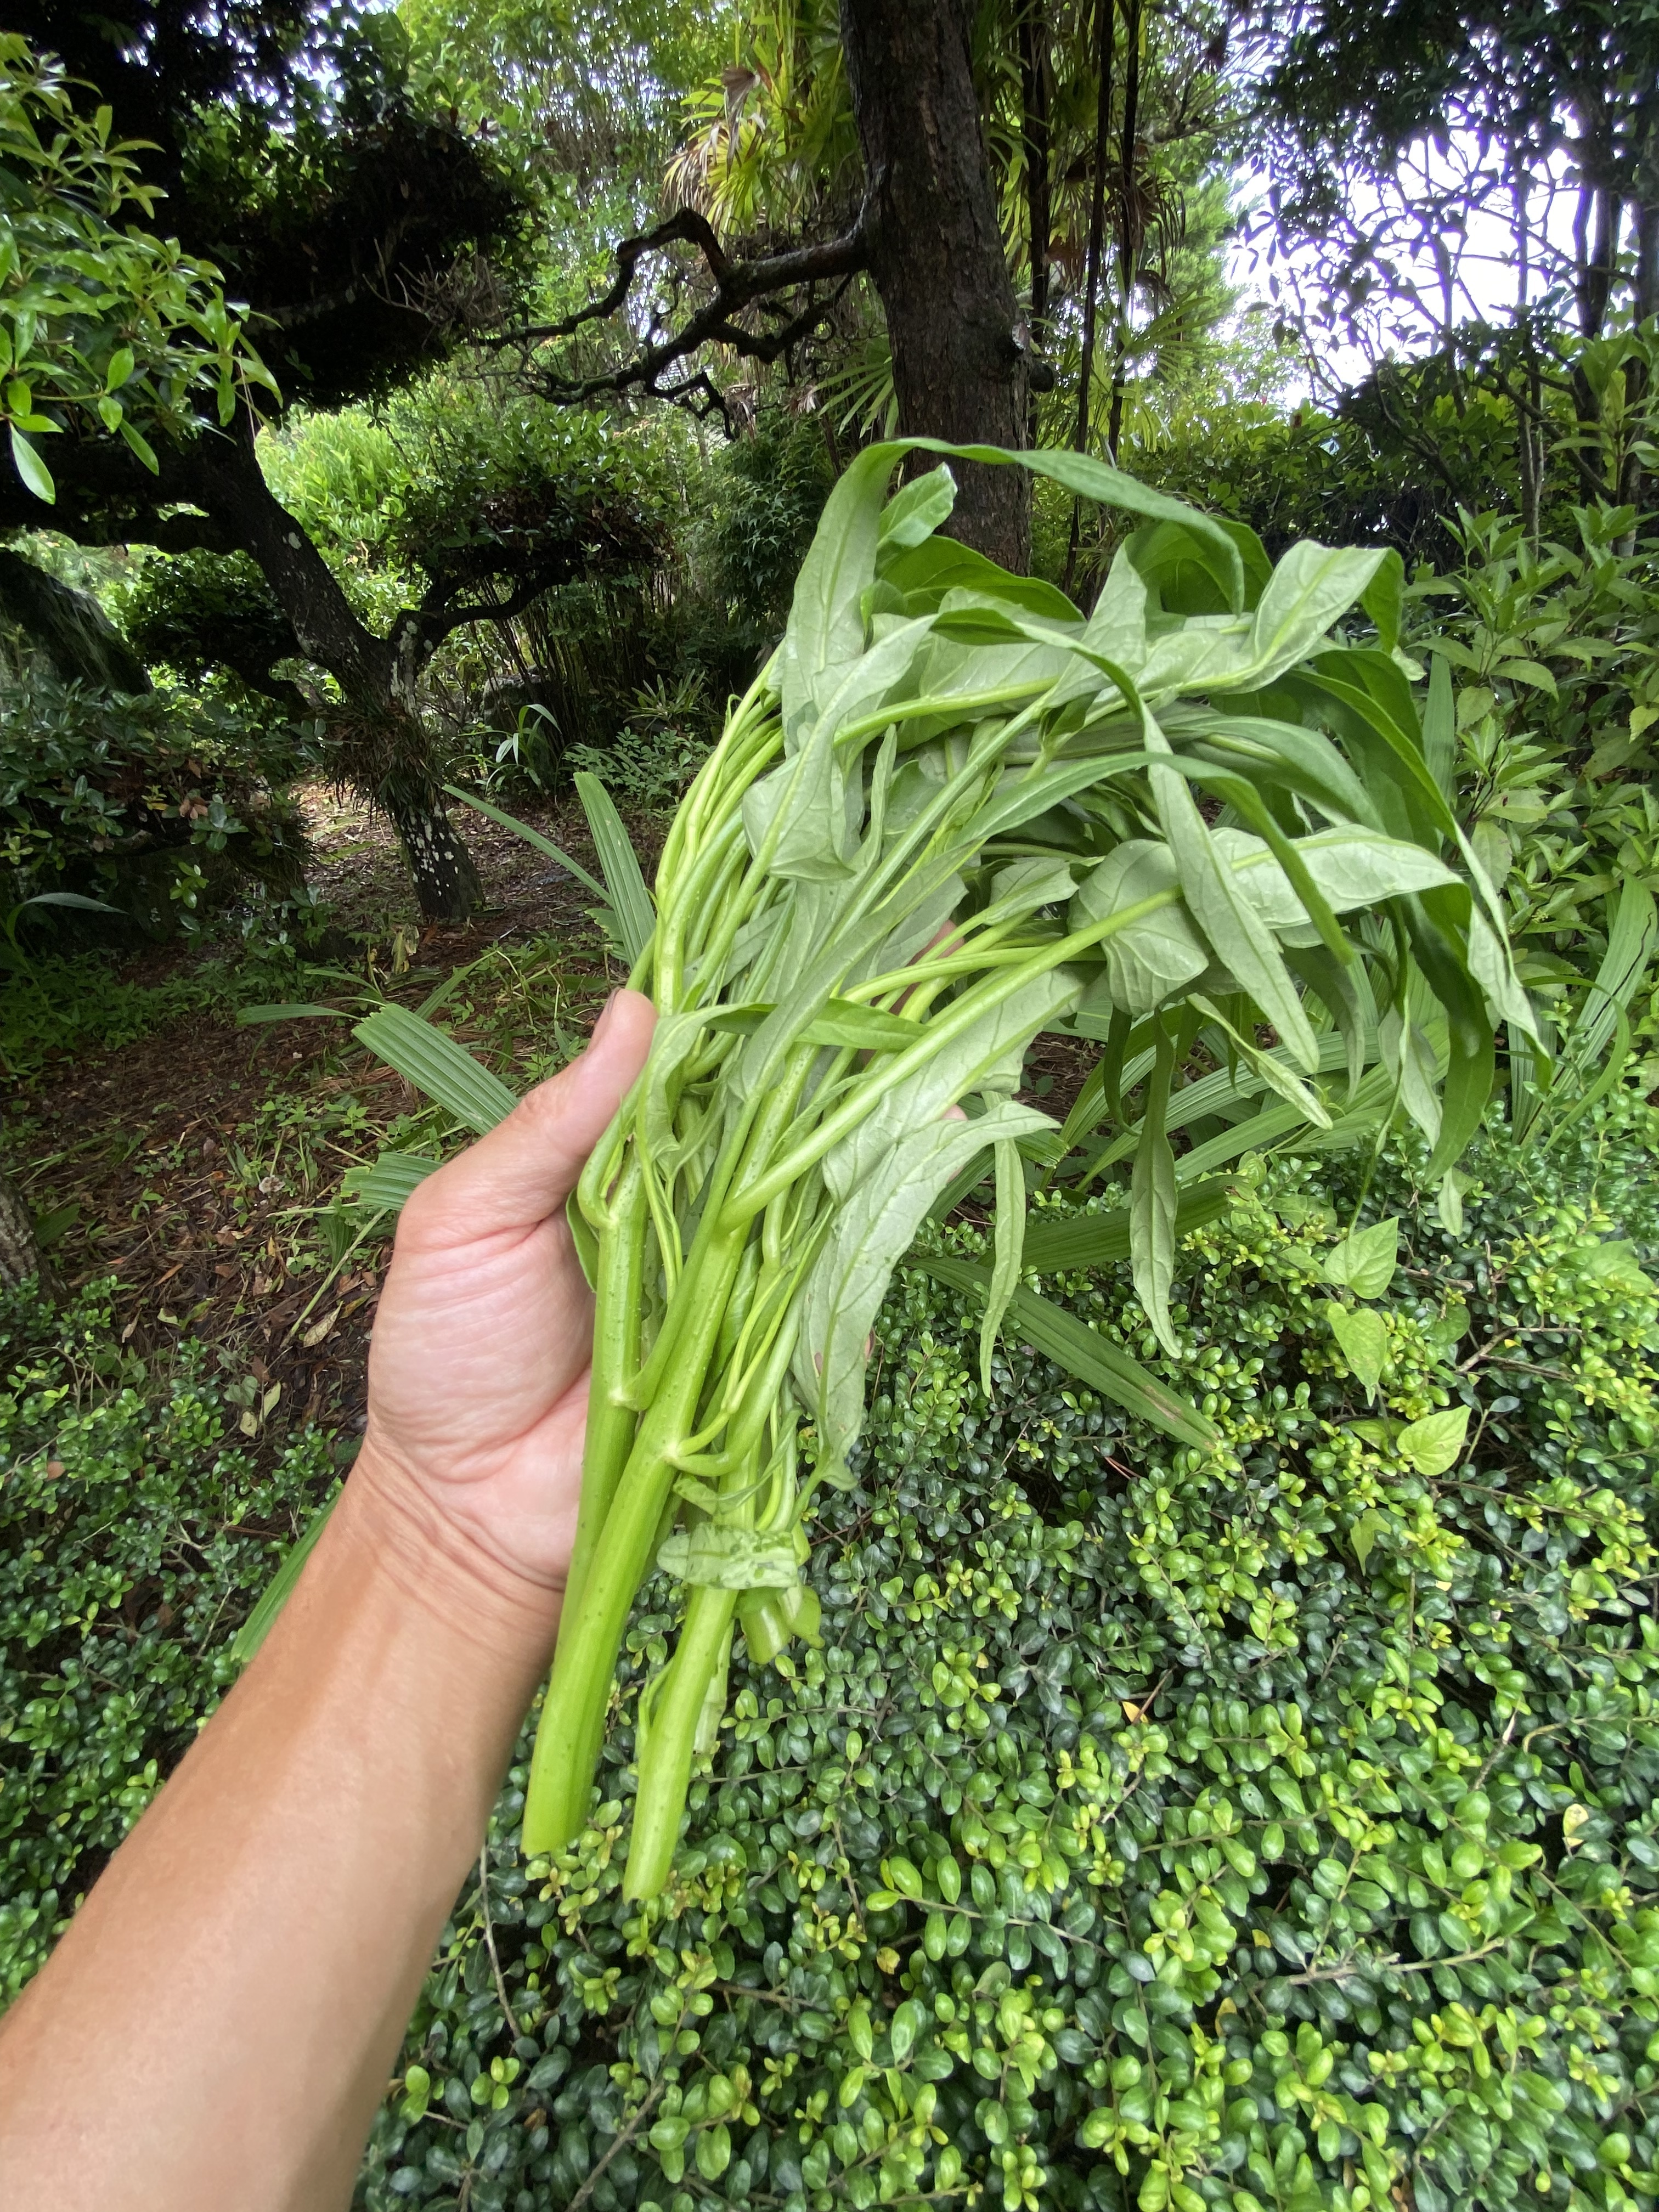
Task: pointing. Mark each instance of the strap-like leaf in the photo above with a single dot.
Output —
(1152, 1200)
(1440, 725)
(530, 837)
(293, 1010)
(636, 917)
(1008, 1241)
(278, 1591)
(439, 1069)
(1630, 945)
(1097, 1363)
(1055, 1245)
(387, 1184)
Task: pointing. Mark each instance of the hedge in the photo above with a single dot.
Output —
(1272, 1829)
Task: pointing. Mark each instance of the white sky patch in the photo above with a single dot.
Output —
(1450, 241)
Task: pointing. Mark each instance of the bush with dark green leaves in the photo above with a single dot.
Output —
(1275, 1829)
(1271, 1829)
(140, 800)
(137, 1526)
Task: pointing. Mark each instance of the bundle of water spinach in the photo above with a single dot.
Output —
(952, 813)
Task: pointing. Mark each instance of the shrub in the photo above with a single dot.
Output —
(133, 799)
(1275, 1830)
(135, 1532)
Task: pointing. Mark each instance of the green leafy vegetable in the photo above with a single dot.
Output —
(951, 813)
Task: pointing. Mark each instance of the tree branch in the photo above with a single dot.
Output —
(738, 285)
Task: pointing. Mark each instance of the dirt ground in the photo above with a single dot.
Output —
(198, 1165)
(195, 1160)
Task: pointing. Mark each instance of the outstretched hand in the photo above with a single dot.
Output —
(478, 1366)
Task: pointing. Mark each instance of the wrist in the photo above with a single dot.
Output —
(440, 1568)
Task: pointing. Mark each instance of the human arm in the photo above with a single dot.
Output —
(217, 2026)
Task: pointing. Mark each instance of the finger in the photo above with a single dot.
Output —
(525, 1169)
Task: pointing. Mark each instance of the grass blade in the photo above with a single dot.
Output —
(1096, 1364)
(278, 1591)
(636, 918)
(439, 1069)
(1098, 1240)
(530, 837)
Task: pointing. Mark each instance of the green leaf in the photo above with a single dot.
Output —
(141, 446)
(440, 1069)
(636, 917)
(1089, 479)
(1434, 1444)
(1440, 726)
(530, 837)
(873, 1226)
(986, 1058)
(1312, 585)
(386, 1185)
(1283, 754)
(1055, 1245)
(1095, 1362)
(120, 368)
(1364, 1533)
(1035, 790)
(867, 1029)
(1152, 957)
(260, 1622)
(1630, 945)
(1365, 1262)
(1153, 1203)
(925, 572)
(1527, 671)
(1448, 1202)
(1612, 1264)
(1239, 938)
(303, 1009)
(1009, 1239)
(1348, 868)
(77, 900)
(1273, 1071)
(1362, 1337)
(826, 618)
(1384, 597)
(731, 1558)
(36, 477)
(917, 509)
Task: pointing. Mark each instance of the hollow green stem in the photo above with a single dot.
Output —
(591, 1630)
(611, 1419)
(668, 1743)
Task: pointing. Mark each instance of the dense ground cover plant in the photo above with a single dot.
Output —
(137, 1528)
(1269, 1829)
(1280, 1821)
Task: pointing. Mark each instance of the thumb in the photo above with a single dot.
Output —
(525, 1169)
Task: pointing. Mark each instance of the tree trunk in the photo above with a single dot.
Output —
(1130, 239)
(1039, 215)
(441, 868)
(1105, 47)
(1644, 300)
(388, 760)
(20, 1255)
(76, 638)
(936, 252)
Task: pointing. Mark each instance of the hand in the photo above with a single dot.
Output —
(478, 1368)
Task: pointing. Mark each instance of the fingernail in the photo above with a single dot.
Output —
(604, 1016)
